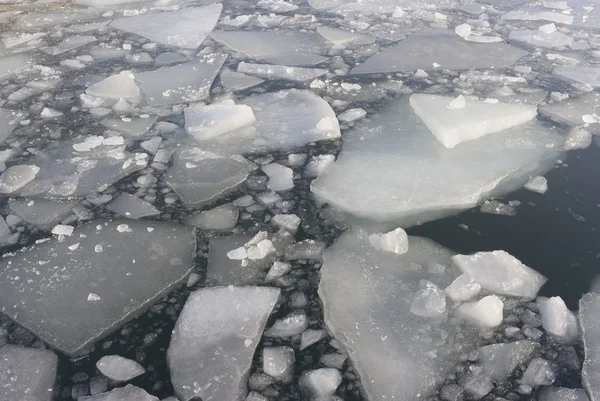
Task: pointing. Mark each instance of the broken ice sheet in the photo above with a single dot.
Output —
(367, 297)
(26, 374)
(132, 127)
(130, 206)
(184, 83)
(236, 81)
(572, 110)
(12, 64)
(127, 270)
(270, 71)
(8, 122)
(200, 177)
(183, 28)
(42, 213)
(70, 43)
(116, 87)
(205, 122)
(584, 75)
(223, 270)
(217, 326)
(412, 178)
(422, 49)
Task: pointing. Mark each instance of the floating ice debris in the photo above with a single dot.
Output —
(539, 372)
(452, 124)
(200, 177)
(562, 394)
(318, 165)
(70, 43)
(9, 65)
(498, 208)
(132, 127)
(429, 300)
(351, 115)
(478, 386)
(8, 122)
(463, 30)
(48, 113)
(394, 241)
(288, 222)
(541, 38)
(270, 71)
(500, 360)
(183, 28)
(103, 3)
(154, 263)
(278, 362)
(119, 369)
(589, 315)
(26, 374)
(463, 288)
(487, 312)
(228, 262)
(42, 213)
(236, 81)
(307, 249)
(340, 37)
(221, 218)
(116, 87)
(132, 207)
(16, 177)
(184, 83)
(501, 273)
(63, 230)
(583, 75)
(537, 184)
(572, 110)
(277, 270)
(127, 393)
(422, 49)
(578, 138)
(538, 14)
(217, 326)
(291, 325)
(558, 320)
(205, 122)
(281, 178)
(398, 147)
(310, 337)
(320, 384)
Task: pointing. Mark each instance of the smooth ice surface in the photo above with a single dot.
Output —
(220, 218)
(127, 393)
(200, 177)
(339, 36)
(183, 28)
(12, 64)
(270, 71)
(42, 213)
(412, 177)
(70, 43)
(26, 374)
(487, 312)
(500, 360)
(539, 38)
(132, 207)
(115, 87)
(205, 122)
(571, 111)
(143, 263)
(501, 273)
(589, 319)
(119, 369)
(284, 120)
(236, 81)
(367, 296)
(184, 83)
(214, 340)
(452, 126)
(558, 320)
(422, 49)
(583, 75)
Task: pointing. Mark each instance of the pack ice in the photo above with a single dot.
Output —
(214, 340)
(413, 178)
(26, 374)
(96, 280)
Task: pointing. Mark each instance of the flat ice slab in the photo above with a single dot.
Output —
(475, 119)
(183, 28)
(214, 340)
(26, 374)
(70, 289)
(583, 75)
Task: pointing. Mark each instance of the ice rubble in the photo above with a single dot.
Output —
(398, 147)
(395, 241)
(453, 125)
(425, 48)
(589, 317)
(214, 340)
(270, 71)
(200, 177)
(463, 288)
(501, 273)
(127, 393)
(119, 369)
(143, 263)
(185, 28)
(26, 374)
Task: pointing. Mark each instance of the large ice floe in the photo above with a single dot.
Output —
(413, 178)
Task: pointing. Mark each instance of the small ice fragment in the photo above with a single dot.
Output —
(486, 312)
(61, 229)
(537, 184)
(98, 248)
(281, 178)
(394, 241)
(458, 103)
(123, 228)
(74, 246)
(237, 254)
(548, 28)
(93, 297)
(463, 30)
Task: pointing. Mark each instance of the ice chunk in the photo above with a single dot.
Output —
(42, 213)
(538, 373)
(115, 87)
(307, 249)
(487, 312)
(182, 28)
(119, 369)
(583, 75)
(463, 30)
(589, 315)
(70, 43)
(578, 138)
(463, 288)
(278, 362)
(478, 386)
(422, 49)
(395, 241)
(537, 184)
(127, 393)
(50, 303)
(221, 218)
(217, 326)
(310, 337)
(338, 36)
(8, 122)
(131, 206)
(318, 165)
(16, 177)
(270, 71)
(200, 177)
(451, 125)
(132, 127)
(558, 320)
(11, 64)
(320, 384)
(63, 230)
(277, 270)
(281, 178)
(398, 147)
(207, 122)
(540, 38)
(501, 273)
(103, 3)
(227, 268)
(288, 222)
(184, 83)
(236, 81)
(288, 326)
(562, 394)
(429, 301)
(26, 374)
(500, 360)
(538, 14)
(351, 115)
(572, 110)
